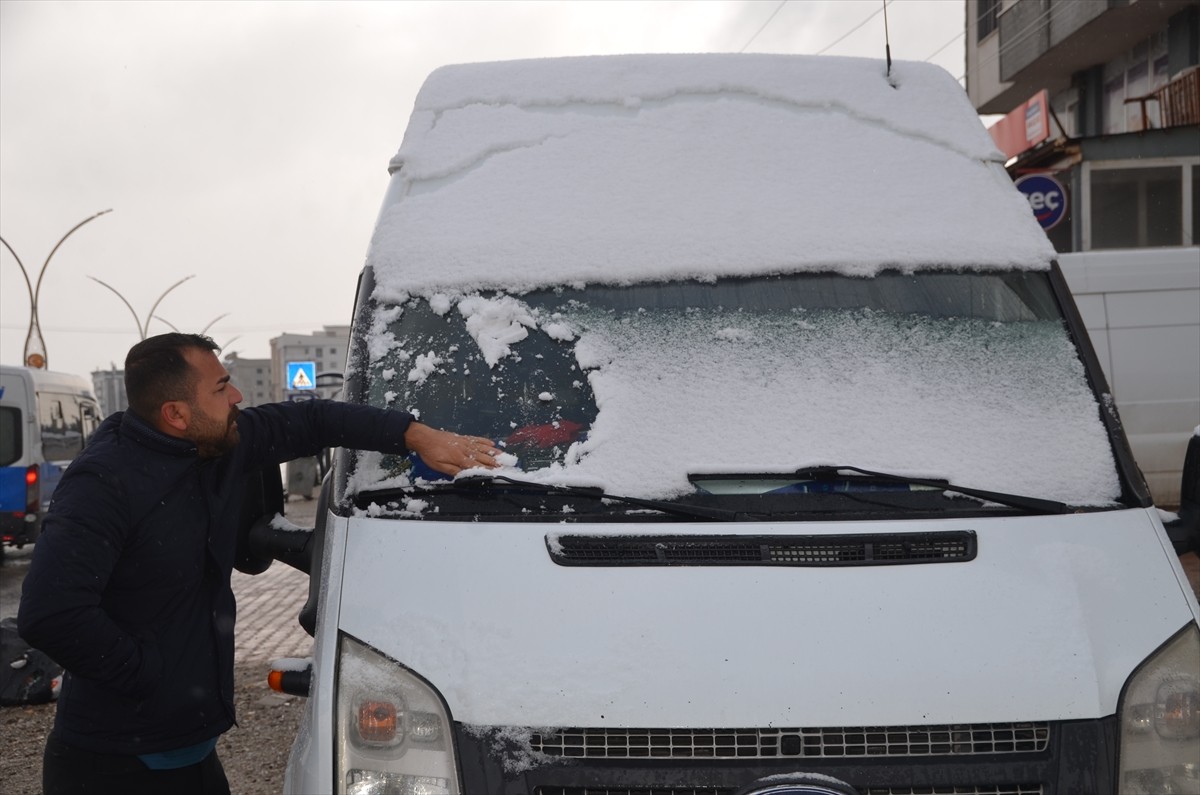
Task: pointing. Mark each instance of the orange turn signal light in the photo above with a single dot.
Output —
(293, 683)
(377, 721)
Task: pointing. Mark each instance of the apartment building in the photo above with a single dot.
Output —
(1105, 96)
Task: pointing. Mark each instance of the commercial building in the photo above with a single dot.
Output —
(1102, 131)
(1104, 96)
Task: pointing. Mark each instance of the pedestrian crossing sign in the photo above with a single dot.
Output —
(302, 375)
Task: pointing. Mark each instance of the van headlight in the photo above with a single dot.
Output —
(1160, 721)
(393, 731)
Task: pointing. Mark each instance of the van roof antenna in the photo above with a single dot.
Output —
(887, 43)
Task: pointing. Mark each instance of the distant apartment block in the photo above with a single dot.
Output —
(252, 377)
(109, 386)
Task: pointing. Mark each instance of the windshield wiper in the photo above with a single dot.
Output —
(483, 484)
(1031, 504)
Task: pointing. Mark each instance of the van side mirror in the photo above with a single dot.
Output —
(1184, 532)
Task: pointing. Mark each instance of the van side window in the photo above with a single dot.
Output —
(61, 426)
(10, 435)
(90, 414)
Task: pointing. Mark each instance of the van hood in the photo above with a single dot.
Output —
(1045, 623)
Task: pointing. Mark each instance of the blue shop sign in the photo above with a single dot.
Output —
(1046, 196)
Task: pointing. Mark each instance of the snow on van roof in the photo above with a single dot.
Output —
(619, 169)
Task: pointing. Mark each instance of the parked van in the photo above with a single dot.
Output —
(813, 482)
(1142, 312)
(45, 417)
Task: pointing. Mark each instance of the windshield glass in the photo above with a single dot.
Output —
(644, 390)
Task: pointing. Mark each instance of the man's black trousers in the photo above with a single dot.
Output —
(72, 771)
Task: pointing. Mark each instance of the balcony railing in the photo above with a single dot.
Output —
(1179, 100)
(1177, 103)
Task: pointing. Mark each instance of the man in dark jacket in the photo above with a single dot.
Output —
(129, 586)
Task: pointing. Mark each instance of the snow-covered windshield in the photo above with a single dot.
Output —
(636, 270)
(962, 376)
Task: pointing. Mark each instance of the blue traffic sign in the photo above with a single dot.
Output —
(301, 375)
(1046, 196)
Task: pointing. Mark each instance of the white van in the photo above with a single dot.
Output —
(813, 482)
(45, 417)
(1141, 308)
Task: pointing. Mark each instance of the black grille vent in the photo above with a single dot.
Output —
(783, 550)
(856, 742)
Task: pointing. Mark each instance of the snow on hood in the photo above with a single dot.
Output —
(617, 169)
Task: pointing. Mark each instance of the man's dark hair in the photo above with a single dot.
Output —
(156, 371)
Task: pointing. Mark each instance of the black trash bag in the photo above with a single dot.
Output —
(27, 676)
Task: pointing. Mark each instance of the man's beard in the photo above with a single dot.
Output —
(212, 437)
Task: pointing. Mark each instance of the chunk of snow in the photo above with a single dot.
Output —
(423, 367)
(516, 174)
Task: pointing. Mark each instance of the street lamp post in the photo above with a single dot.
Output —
(172, 326)
(35, 345)
(144, 328)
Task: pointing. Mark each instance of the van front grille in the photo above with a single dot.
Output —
(857, 742)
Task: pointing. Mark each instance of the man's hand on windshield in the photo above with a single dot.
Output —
(450, 453)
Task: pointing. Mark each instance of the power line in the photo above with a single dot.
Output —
(845, 35)
(764, 25)
(856, 27)
(957, 36)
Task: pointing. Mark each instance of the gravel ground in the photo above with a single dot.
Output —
(254, 752)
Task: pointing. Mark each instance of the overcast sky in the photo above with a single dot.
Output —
(246, 142)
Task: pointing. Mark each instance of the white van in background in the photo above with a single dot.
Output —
(1142, 311)
(812, 485)
(45, 418)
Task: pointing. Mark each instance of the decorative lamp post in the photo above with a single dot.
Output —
(35, 345)
(172, 326)
(144, 328)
